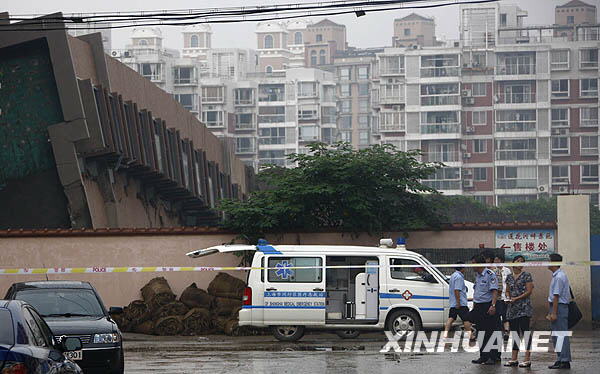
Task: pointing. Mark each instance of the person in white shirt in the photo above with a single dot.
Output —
(502, 273)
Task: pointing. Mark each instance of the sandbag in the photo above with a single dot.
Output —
(226, 307)
(225, 285)
(137, 312)
(171, 325)
(194, 297)
(157, 293)
(174, 308)
(197, 321)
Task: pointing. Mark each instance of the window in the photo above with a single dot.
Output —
(346, 122)
(269, 69)
(440, 94)
(363, 138)
(212, 118)
(275, 157)
(328, 114)
(502, 19)
(479, 117)
(275, 135)
(417, 274)
(184, 75)
(271, 114)
(346, 136)
(589, 145)
(439, 66)
(589, 173)
(212, 94)
(39, 338)
(363, 106)
(143, 42)
(344, 73)
(346, 106)
(363, 122)
(480, 174)
(7, 336)
(345, 89)
(308, 133)
(560, 174)
(307, 89)
(560, 88)
(513, 177)
(313, 58)
(268, 41)
(406, 32)
(244, 96)
(363, 89)
(440, 122)
(188, 101)
(322, 57)
(479, 89)
(589, 87)
(560, 117)
(245, 145)
(516, 149)
(560, 146)
(444, 179)
(588, 58)
(480, 146)
(298, 37)
(150, 71)
(244, 121)
(515, 120)
(363, 72)
(560, 59)
(319, 38)
(589, 117)
(570, 20)
(194, 41)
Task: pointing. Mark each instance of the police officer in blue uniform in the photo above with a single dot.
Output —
(484, 310)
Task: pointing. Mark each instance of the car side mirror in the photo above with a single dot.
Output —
(115, 310)
(70, 344)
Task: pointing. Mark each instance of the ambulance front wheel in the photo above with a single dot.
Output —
(287, 333)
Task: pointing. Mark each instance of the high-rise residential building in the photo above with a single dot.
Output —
(511, 110)
(414, 30)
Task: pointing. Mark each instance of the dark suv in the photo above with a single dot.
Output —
(74, 309)
(27, 344)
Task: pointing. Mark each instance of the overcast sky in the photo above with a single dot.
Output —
(372, 30)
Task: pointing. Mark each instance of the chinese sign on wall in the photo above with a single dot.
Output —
(532, 244)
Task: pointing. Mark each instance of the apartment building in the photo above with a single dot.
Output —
(512, 112)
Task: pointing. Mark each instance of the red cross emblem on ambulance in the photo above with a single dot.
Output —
(407, 295)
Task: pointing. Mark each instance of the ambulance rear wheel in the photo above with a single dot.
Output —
(287, 333)
(404, 322)
(347, 334)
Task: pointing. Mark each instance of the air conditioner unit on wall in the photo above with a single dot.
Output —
(468, 183)
(469, 100)
(563, 189)
(543, 188)
(115, 54)
(469, 129)
(466, 93)
(466, 155)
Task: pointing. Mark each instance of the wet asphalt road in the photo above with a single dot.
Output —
(323, 352)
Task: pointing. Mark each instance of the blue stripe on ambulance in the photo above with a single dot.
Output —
(419, 297)
(424, 309)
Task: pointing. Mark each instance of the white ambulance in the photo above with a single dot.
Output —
(340, 288)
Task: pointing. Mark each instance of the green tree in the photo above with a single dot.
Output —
(370, 190)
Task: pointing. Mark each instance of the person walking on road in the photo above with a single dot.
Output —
(484, 310)
(501, 273)
(519, 287)
(458, 301)
(558, 314)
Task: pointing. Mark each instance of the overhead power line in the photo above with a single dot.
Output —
(102, 21)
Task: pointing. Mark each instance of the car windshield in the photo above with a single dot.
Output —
(6, 328)
(62, 302)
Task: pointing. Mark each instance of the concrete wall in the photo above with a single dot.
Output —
(169, 250)
(574, 245)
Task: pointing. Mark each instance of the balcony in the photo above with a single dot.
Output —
(515, 126)
(441, 157)
(392, 99)
(437, 72)
(243, 102)
(515, 98)
(243, 150)
(511, 184)
(440, 128)
(440, 100)
(308, 138)
(515, 69)
(271, 118)
(515, 155)
(443, 184)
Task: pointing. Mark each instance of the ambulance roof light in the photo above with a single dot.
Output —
(386, 243)
(401, 241)
(262, 242)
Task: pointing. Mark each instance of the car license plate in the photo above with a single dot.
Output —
(74, 355)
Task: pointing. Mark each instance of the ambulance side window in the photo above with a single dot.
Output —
(262, 270)
(416, 272)
(281, 270)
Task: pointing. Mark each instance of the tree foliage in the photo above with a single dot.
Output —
(336, 187)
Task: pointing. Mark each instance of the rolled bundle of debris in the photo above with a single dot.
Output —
(137, 312)
(197, 321)
(121, 321)
(225, 285)
(219, 323)
(171, 325)
(146, 327)
(226, 307)
(174, 308)
(194, 297)
(157, 293)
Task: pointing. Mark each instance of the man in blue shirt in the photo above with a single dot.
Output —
(484, 310)
(458, 300)
(559, 296)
